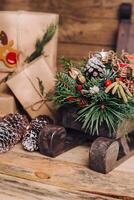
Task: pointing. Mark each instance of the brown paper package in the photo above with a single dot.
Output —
(7, 104)
(4, 89)
(25, 28)
(25, 87)
(3, 76)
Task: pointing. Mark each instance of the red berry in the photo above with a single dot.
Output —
(107, 83)
(11, 58)
(79, 87)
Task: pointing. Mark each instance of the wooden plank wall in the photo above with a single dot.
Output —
(84, 24)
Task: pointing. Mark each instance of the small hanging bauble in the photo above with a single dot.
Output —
(107, 83)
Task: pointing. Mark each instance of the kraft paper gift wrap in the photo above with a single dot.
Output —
(3, 76)
(25, 86)
(25, 28)
(7, 104)
(8, 24)
(4, 89)
(3, 86)
(31, 27)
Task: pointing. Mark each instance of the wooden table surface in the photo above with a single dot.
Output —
(32, 176)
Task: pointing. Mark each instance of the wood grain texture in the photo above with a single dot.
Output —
(12, 188)
(66, 174)
(82, 23)
(77, 51)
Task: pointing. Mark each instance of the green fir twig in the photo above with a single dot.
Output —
(41, 86)
(39, 46)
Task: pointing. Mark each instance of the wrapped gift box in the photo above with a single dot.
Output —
(7, 104)
(25, 86)
(25, 29)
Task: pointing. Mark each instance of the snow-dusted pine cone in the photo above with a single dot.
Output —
(30, 139)
(93, 68)
(12, 128)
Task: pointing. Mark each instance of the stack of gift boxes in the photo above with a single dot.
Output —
(27, 61)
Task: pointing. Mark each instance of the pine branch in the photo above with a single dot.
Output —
(67, 63)
(41, 86)
(41, 43)
(64, 88)
(65, 81)
(97, 114)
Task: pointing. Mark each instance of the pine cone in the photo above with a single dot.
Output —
(30, 139)
(93, 68)
(12, 128)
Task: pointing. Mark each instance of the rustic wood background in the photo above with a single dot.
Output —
(84, 24)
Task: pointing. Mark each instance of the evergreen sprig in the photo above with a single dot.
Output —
(66, 63)
(97, 113)
(41, 86)
(39, 46)
(65, 87)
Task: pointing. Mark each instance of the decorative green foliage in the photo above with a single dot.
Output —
(97, 113)
(91, 82)
(67, 63)
(41, 87)
(83, 62)
(104, 105)
(65, 87)
(41, 43)
(109, 74)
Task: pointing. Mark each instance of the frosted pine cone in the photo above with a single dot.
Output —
(30, 139)
(93, 68)
(12, 128)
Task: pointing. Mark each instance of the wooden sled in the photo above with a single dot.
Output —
(107, 153)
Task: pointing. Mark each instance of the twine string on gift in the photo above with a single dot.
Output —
(37, 105)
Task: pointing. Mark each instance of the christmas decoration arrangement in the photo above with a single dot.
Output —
(101, 87)
(12, 128)
(30, 138)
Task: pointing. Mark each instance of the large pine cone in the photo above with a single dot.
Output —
(93, 68)
(30, 139)
(12, 128)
